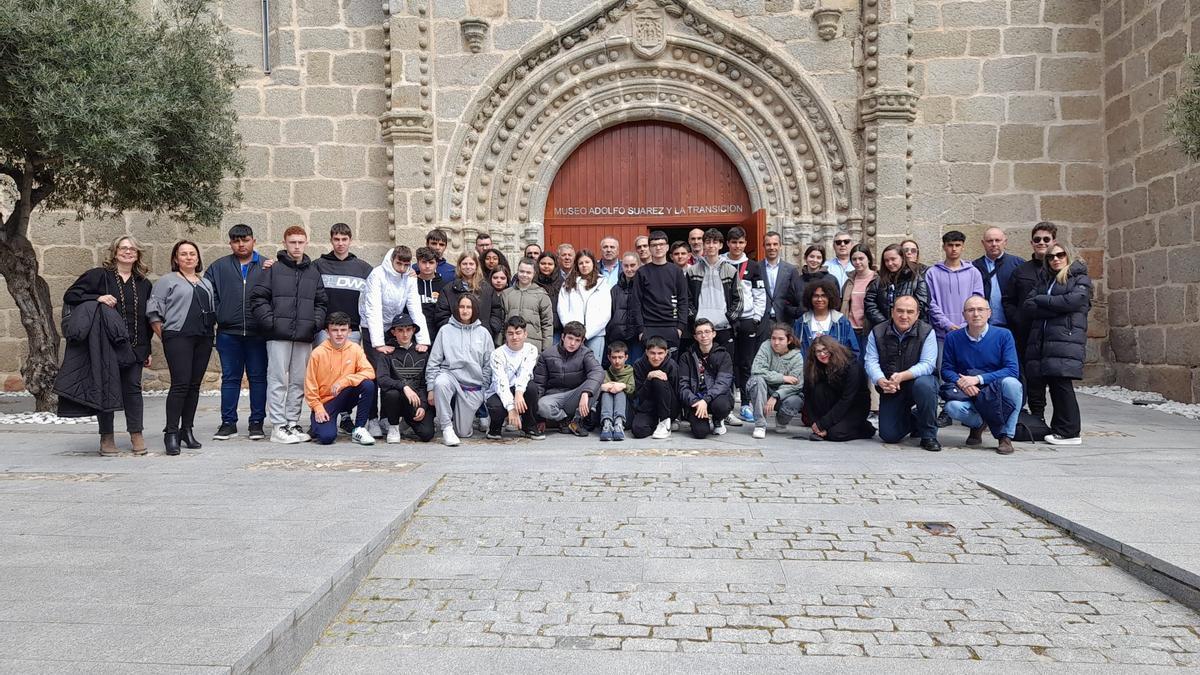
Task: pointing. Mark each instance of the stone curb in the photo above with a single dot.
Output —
(282, 650)
(1175, 581)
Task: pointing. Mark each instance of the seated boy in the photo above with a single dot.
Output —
(402, 389)
(511, 396)
(615, 393)
(339, 379)
(656, 379)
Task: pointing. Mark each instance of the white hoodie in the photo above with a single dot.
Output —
(386, 295)
(592, 308)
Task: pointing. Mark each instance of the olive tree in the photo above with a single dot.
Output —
(103, 109)
(1185, 112)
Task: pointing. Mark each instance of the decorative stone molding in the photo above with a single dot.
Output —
(406, 126)
(828, 19)
(474, 32)
(785, 139)
(888, 104)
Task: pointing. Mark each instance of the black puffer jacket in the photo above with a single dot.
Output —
(558, 370)
(289, 300)
(491, 309)
(89, 380)
(1023, 281)
(621, 326)
(716, 380)
(1058, 332)
(880, 298)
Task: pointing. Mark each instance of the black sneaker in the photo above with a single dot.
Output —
(256, 431)
(931, 444)
(494, 435)
(536, 435)
(226, 432)
(943, 420)
(346, 424)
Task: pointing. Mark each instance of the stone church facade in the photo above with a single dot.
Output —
(887, 118)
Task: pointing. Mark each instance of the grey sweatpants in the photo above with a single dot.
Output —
(561, 405)
(787, 407)
(287, 363)
(454, 405)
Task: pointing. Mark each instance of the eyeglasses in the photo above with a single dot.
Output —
(1043, 240)
(705, 332)
(127, 249)
(976, 310)
(908, 250)
(841, 242)
(820, 352)
(1061, 255)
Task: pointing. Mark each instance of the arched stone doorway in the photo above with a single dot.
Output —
(660, 61)
(639, 176)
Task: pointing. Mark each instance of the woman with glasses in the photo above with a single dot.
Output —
(835, 393)
(897, 278)
(120, 282)
(912, 254)
(1057, 310)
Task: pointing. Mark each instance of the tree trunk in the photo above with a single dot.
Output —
(18, 265)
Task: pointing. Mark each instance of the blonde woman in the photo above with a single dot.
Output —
(120, 283)
(1056, 311)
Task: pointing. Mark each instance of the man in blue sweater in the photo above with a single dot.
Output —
(981, 361)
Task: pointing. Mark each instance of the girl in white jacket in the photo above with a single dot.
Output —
(586, 299)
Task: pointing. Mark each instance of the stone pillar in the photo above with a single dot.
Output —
(887, 109)
(407, 127)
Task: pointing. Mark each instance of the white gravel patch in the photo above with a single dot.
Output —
(43, 418)
(1147, 399)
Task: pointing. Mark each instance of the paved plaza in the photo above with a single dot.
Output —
(721, 555)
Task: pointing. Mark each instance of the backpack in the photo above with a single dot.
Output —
(1030, 428)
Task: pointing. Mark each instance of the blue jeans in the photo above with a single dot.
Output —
(964, 411)
(898, 419)
(242, 355)
(357, 398)
(596, 344)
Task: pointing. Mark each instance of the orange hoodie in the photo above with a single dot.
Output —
(328, 366)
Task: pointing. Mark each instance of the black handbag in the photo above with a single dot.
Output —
(1030, 428)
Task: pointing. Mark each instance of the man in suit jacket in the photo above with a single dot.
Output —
(779, 276)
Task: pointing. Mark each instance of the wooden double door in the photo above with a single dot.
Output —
(637, 177)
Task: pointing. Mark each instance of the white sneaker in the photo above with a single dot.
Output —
(1053, 439)
(300, 434)
(393, 434)
(733, 420)
(283, 434)
(373, 429)
(719, 428)
(449, 437)
(759, 432)
(362, 436)
(663, 430)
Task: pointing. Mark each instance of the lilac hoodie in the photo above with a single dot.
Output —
(948, 290)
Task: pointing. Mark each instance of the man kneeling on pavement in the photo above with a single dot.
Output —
(980, 376)
(339, 379)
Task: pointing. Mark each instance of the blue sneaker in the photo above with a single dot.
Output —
(606, 434)
(747, 414)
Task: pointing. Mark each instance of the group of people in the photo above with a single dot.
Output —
(694, 333)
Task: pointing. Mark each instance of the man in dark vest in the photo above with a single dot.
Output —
(900, 360)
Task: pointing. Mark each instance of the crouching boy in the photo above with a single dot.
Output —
(339, 379)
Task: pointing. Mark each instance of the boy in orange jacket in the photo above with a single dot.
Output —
(339, 379)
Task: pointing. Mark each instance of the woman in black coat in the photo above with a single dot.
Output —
(836, 399)
(897, 277)
(549, 279)
(120, 282)
(1057, 309)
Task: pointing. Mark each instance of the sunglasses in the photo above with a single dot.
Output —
(1043, 240)
(1061, 255)
(908, 250)
(841, 242)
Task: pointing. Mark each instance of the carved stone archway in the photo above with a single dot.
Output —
(651, 60)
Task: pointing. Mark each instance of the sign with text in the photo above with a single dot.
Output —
(647, 211)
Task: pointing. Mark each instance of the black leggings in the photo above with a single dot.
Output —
(187, 359)
(396, 405)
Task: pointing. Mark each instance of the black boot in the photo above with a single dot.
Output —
(188, 439)
(171, 442)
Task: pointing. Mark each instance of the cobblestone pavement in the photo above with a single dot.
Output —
(478, 580)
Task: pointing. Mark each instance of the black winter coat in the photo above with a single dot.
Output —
(97, 282)
(89, 380)
(840, 406)
(1058, 333)
(879, 298)
(491, 309)
(717, 379)
(289, 300)
(1023, 281)
(552, 285)
(558, 370)
(621, 326)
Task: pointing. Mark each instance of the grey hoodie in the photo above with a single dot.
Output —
(463, 351)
